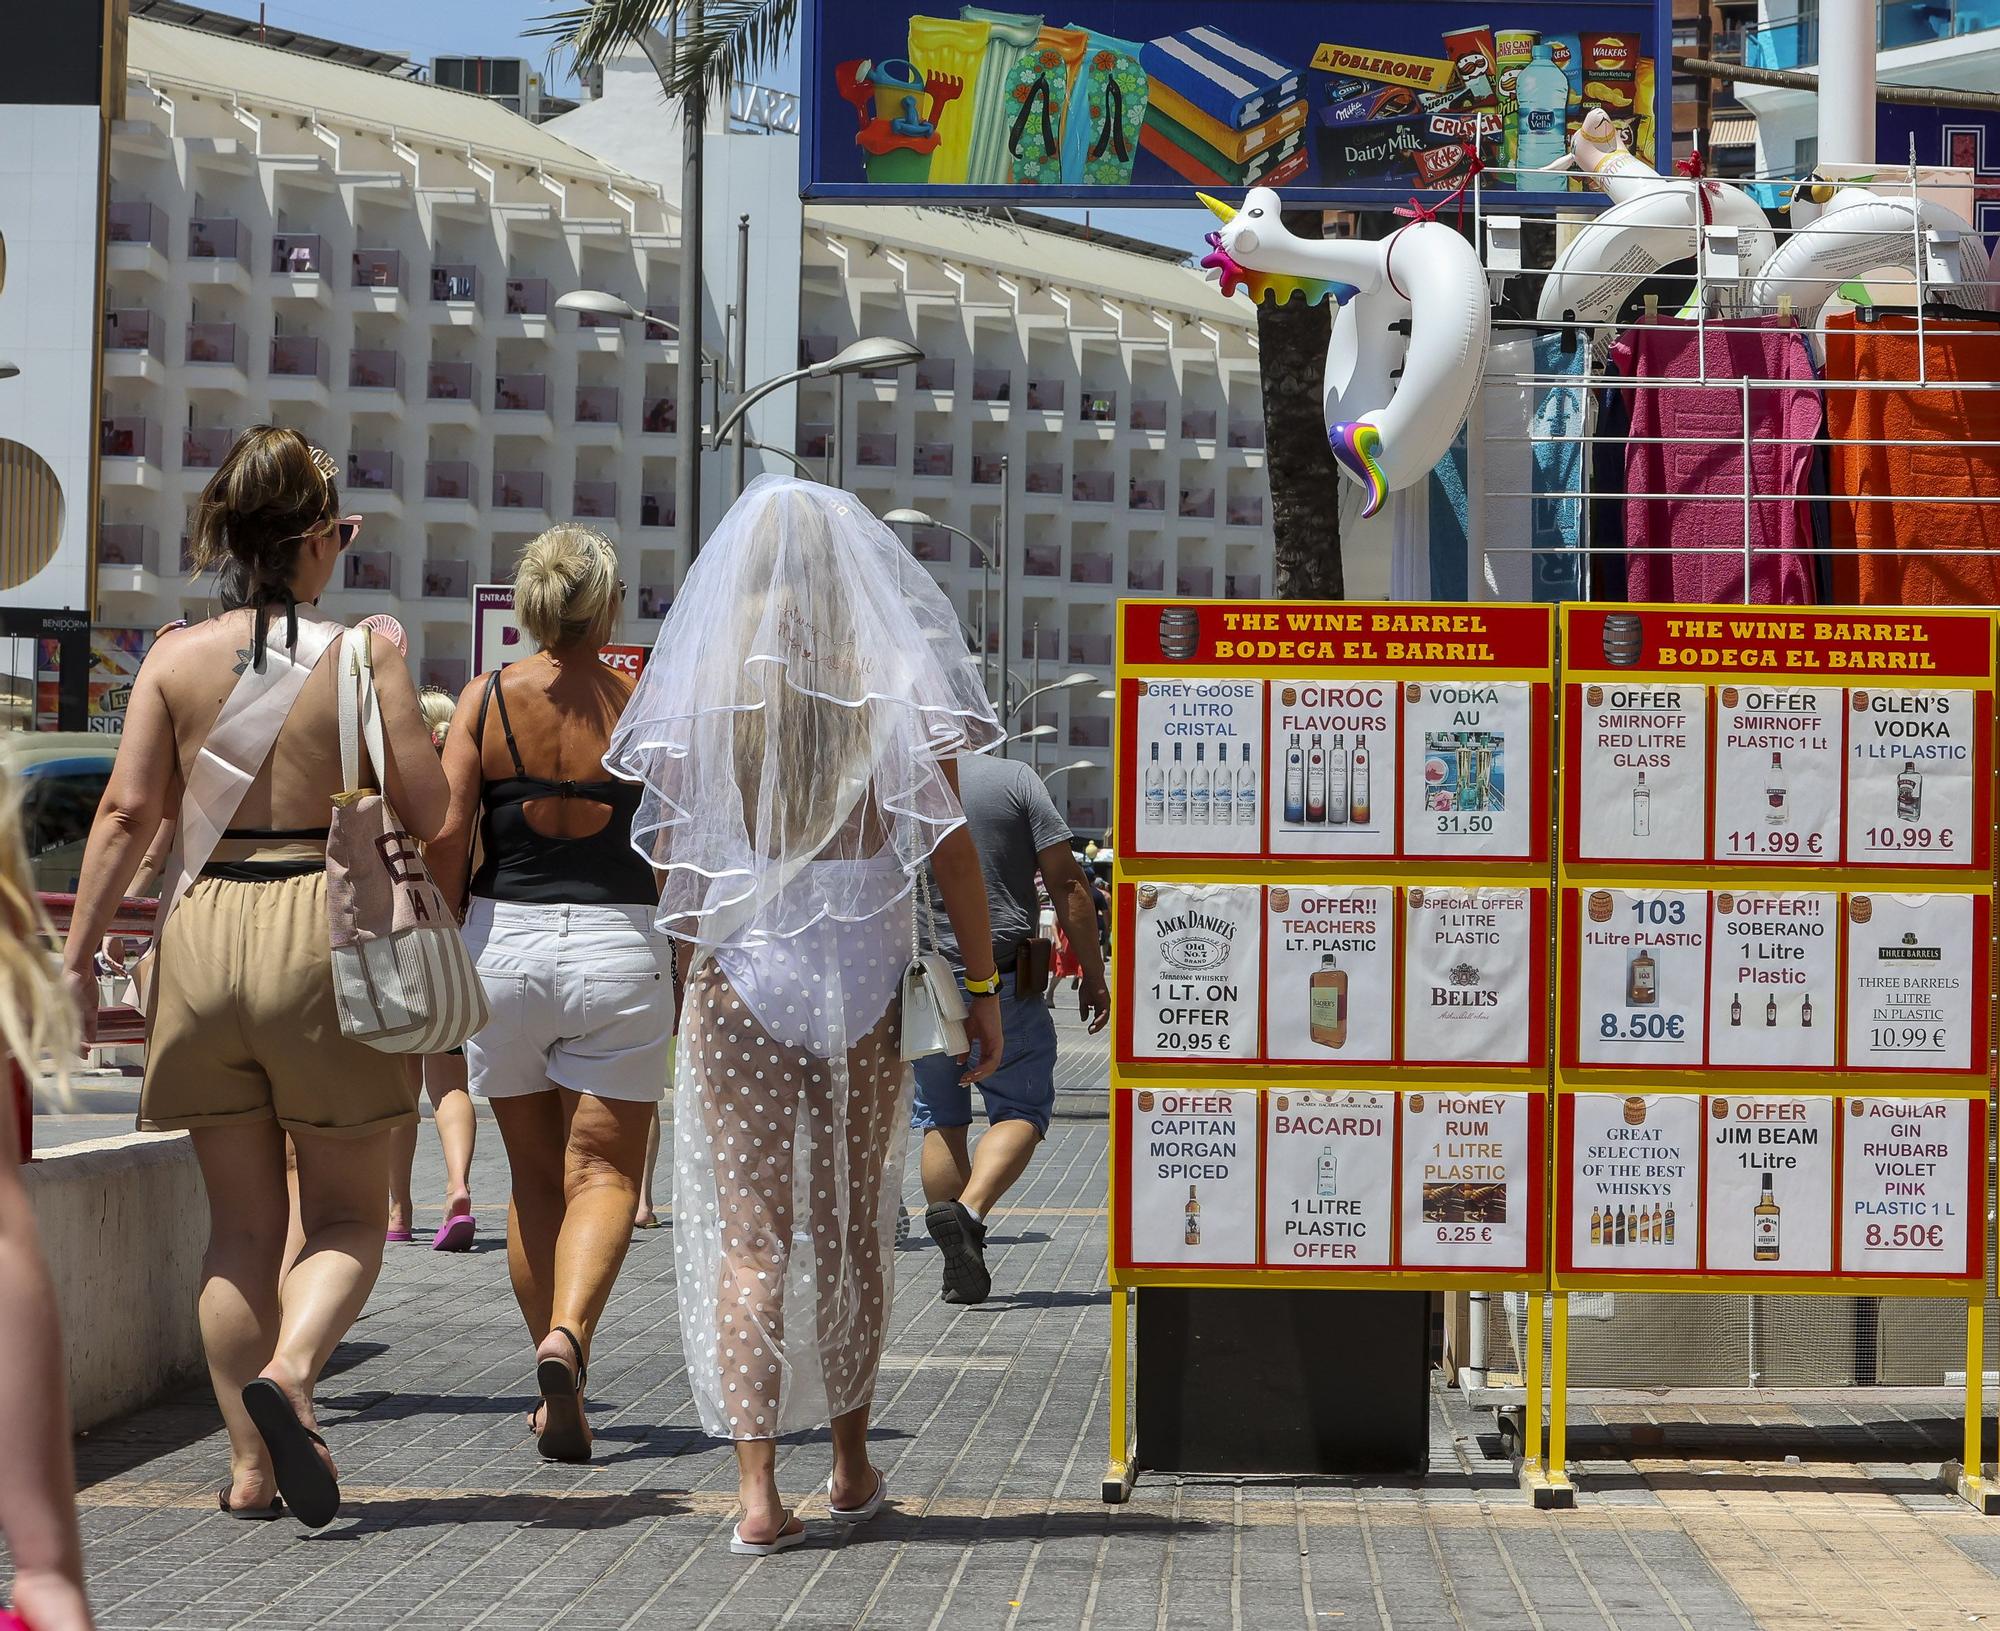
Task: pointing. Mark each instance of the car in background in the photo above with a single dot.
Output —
(62, 775)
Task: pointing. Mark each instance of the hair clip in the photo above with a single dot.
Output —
(322, 461)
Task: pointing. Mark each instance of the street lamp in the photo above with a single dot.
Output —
(923, 518)
(1063, 684)
(9, 370)
(600, 304)
(1033, 733)
(1063, 770)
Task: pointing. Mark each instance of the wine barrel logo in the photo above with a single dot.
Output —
(1416, 1104)
(1860, 908)
(1725, 903)
(1149, 896)
(1860, 702)
(1180, 633)
(1624, 639)
(1145, 1101)
(1594, 695)
(1599, 905)
(1413, 693)
(1729, 696)
(1635, 1111)
(1281, 900)
(1719, 1109)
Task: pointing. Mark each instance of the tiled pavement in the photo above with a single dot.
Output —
(992, 1427)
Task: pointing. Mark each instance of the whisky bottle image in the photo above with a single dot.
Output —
(1336, 782)
(1736, 1009)
(1670, 1223)
(1657, 1224)
(1191, 1235)
(1596, 1227)
(1777, 793)
(1642, 809)
(1222, 790)
(1326, 1004)
(1316, 783)
(1764, 1225)
(1198, 787)
(1177, 790)
(1360, 804)
(1909, 792)
(1642, 986)
(1771, 1009)
(1156, 790)
(1805, 1011)
(1328, 1174)
(1246, 791)
(1295, 783)
(1618, 1231)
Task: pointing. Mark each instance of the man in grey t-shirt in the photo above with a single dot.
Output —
(1018, 833)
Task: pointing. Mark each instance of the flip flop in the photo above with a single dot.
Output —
(786, 1538)
(457, 1234)
(563, 1436)
(866, 1510)
(250, 1514)
(398, 1237)
(303, 1480)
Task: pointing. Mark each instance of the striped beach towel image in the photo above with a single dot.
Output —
(1230, 81)
(1193, 159)
(1238, 145)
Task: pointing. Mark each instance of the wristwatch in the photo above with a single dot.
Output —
(987, 987)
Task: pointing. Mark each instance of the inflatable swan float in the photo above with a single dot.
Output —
(1652, 222)
(1409, 339)
(1857, 232)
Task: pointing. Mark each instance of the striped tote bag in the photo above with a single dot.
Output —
(403, 981)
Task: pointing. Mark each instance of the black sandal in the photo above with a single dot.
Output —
(250, 1514)
(563, 1436)
(304, 1481)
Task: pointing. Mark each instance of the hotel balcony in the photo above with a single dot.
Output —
(298, 265)
(816, 348)
(378, 275)
(1150, 415)
(1197, 503)
(656, 509)
(936, 374)
(447, 673)
(525, 304)
(987, 469)
(298, 369)
(127, 543)
(661, 416)
(1041, 560)
(875, 449)
(1243, 586)
(449, 491)
(204, 447)
(595, 501)
(1146, 577)
(1089, 567)
(379, 372)
(521, 490)
(596, 417)
(655, 601)
(129, 453)
(1044, 476)
(1146, 493)
(596, 331)
(992, 385)
(932, 544)
(665, 311)
(1091, 487)
(1246, 433)
(1098, 408)
(1089, 731)
(1195, 582)
(368, 572)
(452, 390)
(447, 578)
(815, 440)
(525, 399)
(1198, 424)
(455, 293)
(135, 237)
(1244, 510)
(371, 484)
(1045, 396)
(217, 358)
(133, 346)
(1043, 643)
(931, 459)
(1091, 650)
(219, 252)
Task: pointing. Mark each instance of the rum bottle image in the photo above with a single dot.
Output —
(1805, 1011)
(1336, 782)
(1736, 1009)
(1596, 1227)
(1295, 783)
(1316, 783)
(1177, 790)
(1326, 999)
(1771, 1009)
(1246, 791)
(1359, 804)
(1764, 1225)
(1670, 1223)
(1642, 985)
(1909, 792)
(1328, 1174)
(1156, 790)
(1642, 808)
(1191, 1235)
(1777, 793)
(1198, 788)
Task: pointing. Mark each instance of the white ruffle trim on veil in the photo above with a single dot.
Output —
(802, 692)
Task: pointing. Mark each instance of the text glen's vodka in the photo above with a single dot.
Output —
(1359, 804)
(1316, 783)
(1246, 791)
(1156, 790)
(1222, 791)
(1909, 793)
(1177, 790)
(1328, 1174)
(1198, 786)
(1777, 793)
(1295, 783)
(1336, 782)
(1642, 808)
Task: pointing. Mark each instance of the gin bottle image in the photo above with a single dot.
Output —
(1909, 793)
(1336, 782)
(1736, 1009)
(1316, 783)
(1198, 786)
(1328, 1174)
(1295, 784)
(1326, 1004)
(1246, 791)
(1642, 808)
(1764, 1225)
(1156, 790)
(1177, 790)
(1191, 1234)
(1777, 793)
(1771, 1009)
(1642, 981)
(1359, 804)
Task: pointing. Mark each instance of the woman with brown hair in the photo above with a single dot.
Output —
(233, 729)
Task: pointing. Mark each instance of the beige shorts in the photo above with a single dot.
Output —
(244, 1026)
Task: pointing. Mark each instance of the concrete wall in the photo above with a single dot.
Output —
(124, 1224)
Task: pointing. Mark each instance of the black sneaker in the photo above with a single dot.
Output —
(963, 1243)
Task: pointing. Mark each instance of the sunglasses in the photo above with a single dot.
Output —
(348, 527)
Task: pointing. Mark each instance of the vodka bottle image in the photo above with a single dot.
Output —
(1771, 1009)
(1191, 1234)
(1246, 791)
(1360, 804)
(1764, 1225)
(1198, 786)
(1642, 809)
(1777, 793)
(1336, 782)
(1295, 784)
(1541, 118)
(1156, 790)
(1316, 783)
(1909, 793)
(1736, 1009)
(1177, 790)
(1327, 1174)
(1222, 790)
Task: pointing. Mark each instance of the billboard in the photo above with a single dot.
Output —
(1335, 103)
(115, 655)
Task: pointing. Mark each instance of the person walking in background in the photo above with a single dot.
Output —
(443, 1078)
(1018, 832)
(245, 1045)
(574, 1059)
(37, 1480)
(794, 733)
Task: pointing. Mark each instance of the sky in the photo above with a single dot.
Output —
(423, 29)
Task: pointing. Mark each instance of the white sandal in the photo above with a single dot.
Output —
(786, 1538)
(863, 1512)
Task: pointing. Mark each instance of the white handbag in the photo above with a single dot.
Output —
(933, 1005)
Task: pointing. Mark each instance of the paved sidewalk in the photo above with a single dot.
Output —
(992, 1431)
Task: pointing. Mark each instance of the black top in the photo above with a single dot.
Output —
(521, 864)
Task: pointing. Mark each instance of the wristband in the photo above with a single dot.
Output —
(988, 987)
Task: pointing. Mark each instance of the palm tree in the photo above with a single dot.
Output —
(1305, 482)
(713, 41)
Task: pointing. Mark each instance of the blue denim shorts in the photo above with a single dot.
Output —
(1022, 1089)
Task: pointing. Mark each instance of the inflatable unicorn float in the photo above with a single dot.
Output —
(1409, 340)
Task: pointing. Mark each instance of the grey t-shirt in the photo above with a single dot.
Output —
(1012, 820)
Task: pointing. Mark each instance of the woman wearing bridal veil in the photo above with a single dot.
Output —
(796, 734)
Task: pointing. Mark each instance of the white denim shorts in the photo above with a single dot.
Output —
(582, 997)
